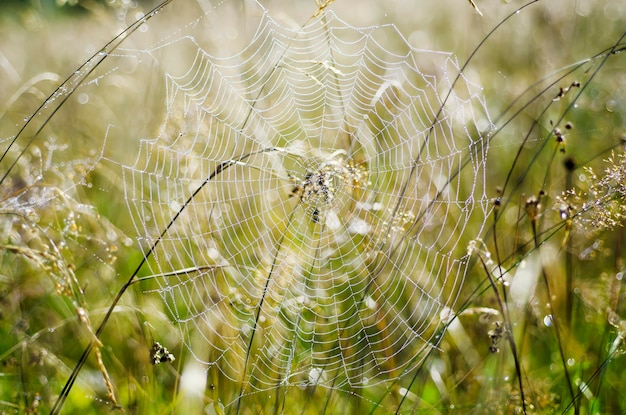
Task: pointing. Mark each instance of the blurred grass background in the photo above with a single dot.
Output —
(582, 259)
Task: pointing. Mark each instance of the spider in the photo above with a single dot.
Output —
(319, 188)
(314, 189)
(315, 186)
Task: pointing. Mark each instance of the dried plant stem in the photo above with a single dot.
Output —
(508, 332)
(554, 319)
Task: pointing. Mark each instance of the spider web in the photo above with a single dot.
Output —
(311, 196)
(307, 195)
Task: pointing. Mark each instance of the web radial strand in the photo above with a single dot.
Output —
(324, 188)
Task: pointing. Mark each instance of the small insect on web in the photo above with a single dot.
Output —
(159, 354)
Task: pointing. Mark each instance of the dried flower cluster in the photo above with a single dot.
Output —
(600, 203)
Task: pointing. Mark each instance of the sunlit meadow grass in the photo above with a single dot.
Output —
(539, 324)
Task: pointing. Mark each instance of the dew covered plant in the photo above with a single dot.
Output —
(262, 207)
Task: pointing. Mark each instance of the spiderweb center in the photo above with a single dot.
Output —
(329, 184)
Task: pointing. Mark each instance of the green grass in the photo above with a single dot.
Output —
(539, 315)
